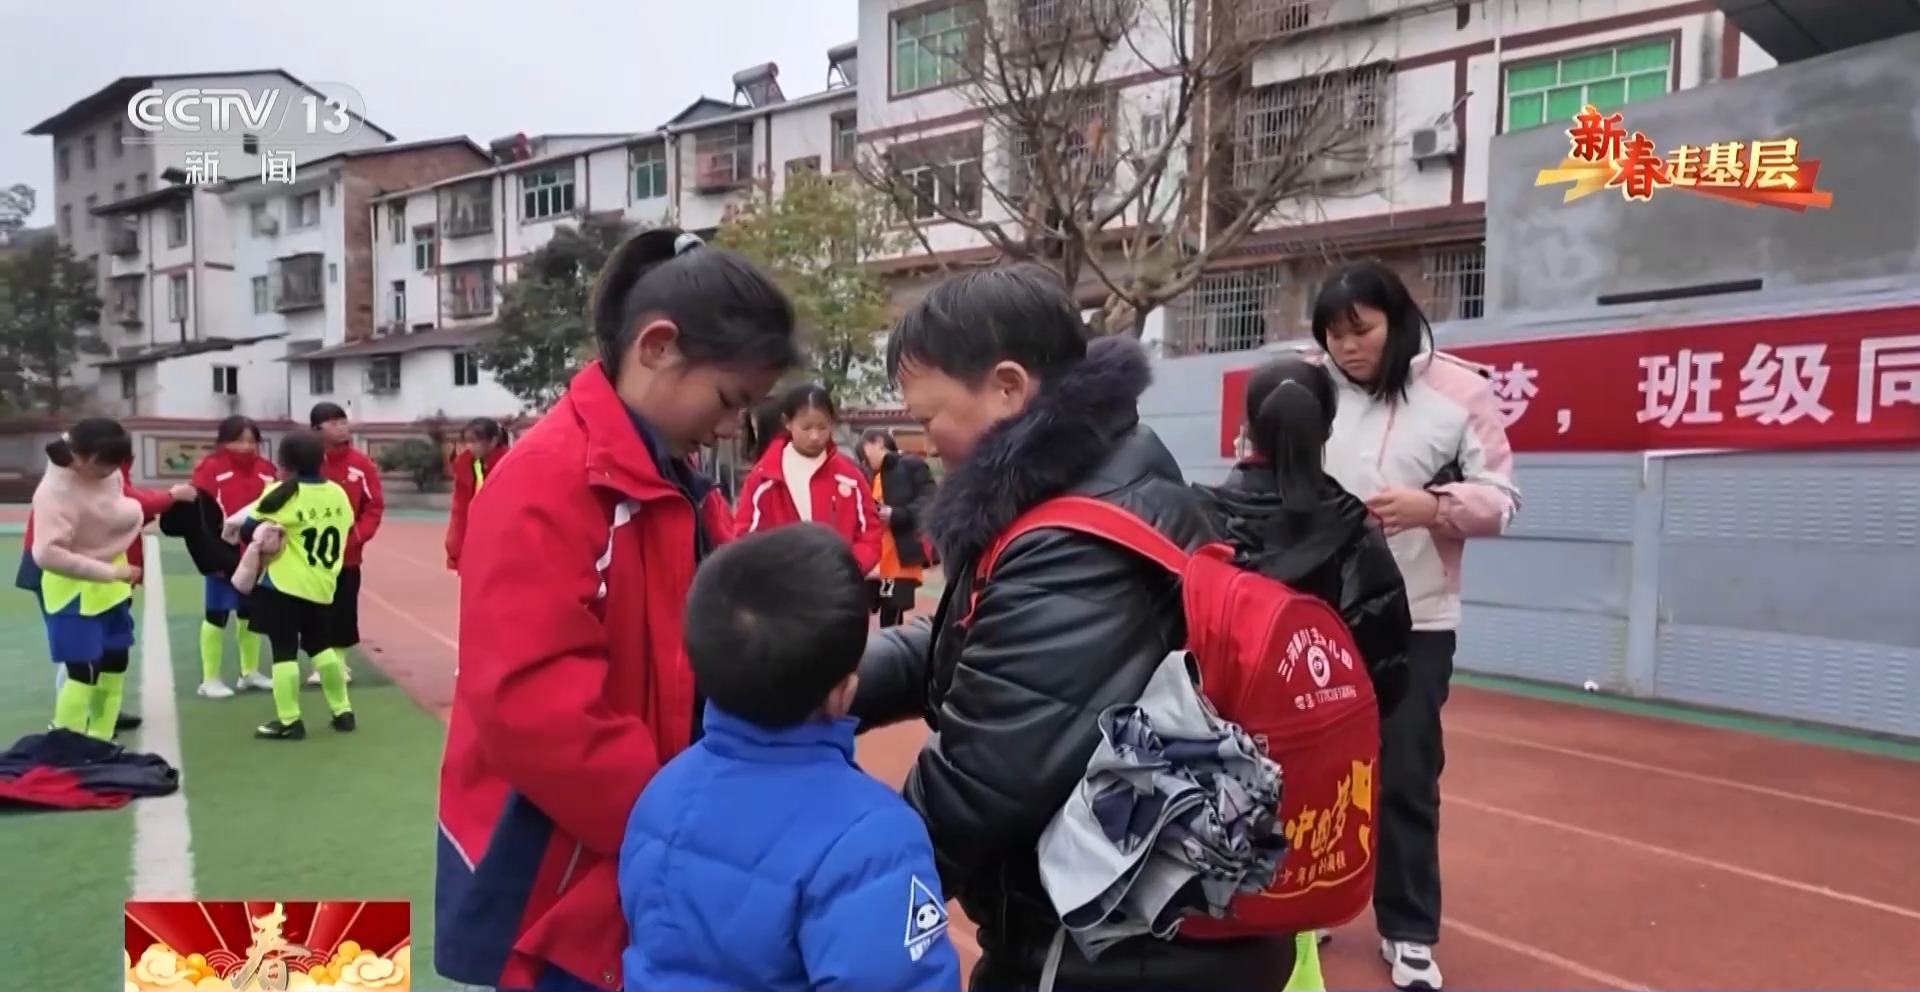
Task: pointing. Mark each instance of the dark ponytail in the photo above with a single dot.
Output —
(100, 440)
(727, 311)
(808, 396)
(300, 454)
(1290, 405)
(487, 429)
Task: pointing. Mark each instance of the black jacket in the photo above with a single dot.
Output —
(197, 524)
(1332, 549)
(906, 485)
(1065, 627)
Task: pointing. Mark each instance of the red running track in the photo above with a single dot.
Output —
(1583, 848)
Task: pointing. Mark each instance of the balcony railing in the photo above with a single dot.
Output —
(467, 298)
(1052, 22)
(1263, 19)
(123, 236)
(720, 169)
(466, 218)
(299, 283)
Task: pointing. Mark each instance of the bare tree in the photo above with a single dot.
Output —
(1124, 143)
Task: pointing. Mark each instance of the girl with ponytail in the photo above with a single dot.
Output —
(1289, 520)
(572, 687)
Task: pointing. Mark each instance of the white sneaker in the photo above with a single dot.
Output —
(314, 679)
(1413, 967)
(256, 680)
(214, 689)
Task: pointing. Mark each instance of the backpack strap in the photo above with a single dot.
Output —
(1094, 518)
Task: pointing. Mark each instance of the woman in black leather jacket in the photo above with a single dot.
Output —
(1012, 676)
(1289, 520)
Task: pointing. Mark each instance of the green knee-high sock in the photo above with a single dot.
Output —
(249, 647)
(333, 680)
(105, 711)
(1306, 964)
(71, 705)
(286, 691)
(210, 638)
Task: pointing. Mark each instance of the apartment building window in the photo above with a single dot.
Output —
(331, 189)
(260, 220)
(846, 141)
(90, 152)
(425, 249)
(1553, 91)
(1229, 311)
(262, 294)
(119, 192)
(809, 164)
(176, 226)
(92, 221)
(1328, 124)
(942, 172)
(466, 369)
(397, 302)
(467, 290)
(546, 193)
(129, 384)
(65, 158)
(1456, 280)
(118, 141)
(250, 144)
(304, 210)
(333, 273)
(320, 376)
(66, 222)
(397, 222)
(1081, 146)
(723, 157)
(650, 171)
(383, 374)
(226, 380)
(176, 298)
(140, 183)
(929, 47)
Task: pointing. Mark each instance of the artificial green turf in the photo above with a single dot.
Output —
(336, 816)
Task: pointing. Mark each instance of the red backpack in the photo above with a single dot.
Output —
(1283, 666)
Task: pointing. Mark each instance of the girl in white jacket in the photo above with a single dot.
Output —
(1416, 436)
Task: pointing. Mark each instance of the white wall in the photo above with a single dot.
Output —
(183, 388)
(426, 389)
(254, 253)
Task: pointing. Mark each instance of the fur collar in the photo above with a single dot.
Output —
(1069, 428)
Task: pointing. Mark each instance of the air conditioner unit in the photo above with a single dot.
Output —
(1439, 141)
(267, 225)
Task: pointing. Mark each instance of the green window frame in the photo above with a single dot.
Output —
(649, 172)
(1553, 90)
(926, 46)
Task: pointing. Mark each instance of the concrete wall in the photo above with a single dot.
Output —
(1858, 112)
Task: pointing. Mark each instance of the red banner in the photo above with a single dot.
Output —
(1827, 380)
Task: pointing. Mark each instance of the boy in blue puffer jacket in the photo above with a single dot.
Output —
(762, 857)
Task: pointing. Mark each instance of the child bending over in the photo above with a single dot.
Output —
(763, 857)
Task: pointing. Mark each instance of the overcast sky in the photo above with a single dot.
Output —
(426, 68)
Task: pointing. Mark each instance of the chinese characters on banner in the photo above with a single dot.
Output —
(267, 945)
(1831, 380)
(1604, 155)
(203, 166)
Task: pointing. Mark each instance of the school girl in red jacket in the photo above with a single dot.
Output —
(486, 444)
(802, 476)
(235, 475)
(572, 687)
(351, 469)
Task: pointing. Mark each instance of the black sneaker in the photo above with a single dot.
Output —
(343, 722)
(274, 730)
(126, 722)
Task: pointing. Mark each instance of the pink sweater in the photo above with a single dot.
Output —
(81, 525)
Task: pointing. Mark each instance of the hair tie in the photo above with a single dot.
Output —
(687, 242)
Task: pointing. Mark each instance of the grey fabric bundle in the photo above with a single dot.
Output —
(1175, 816)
